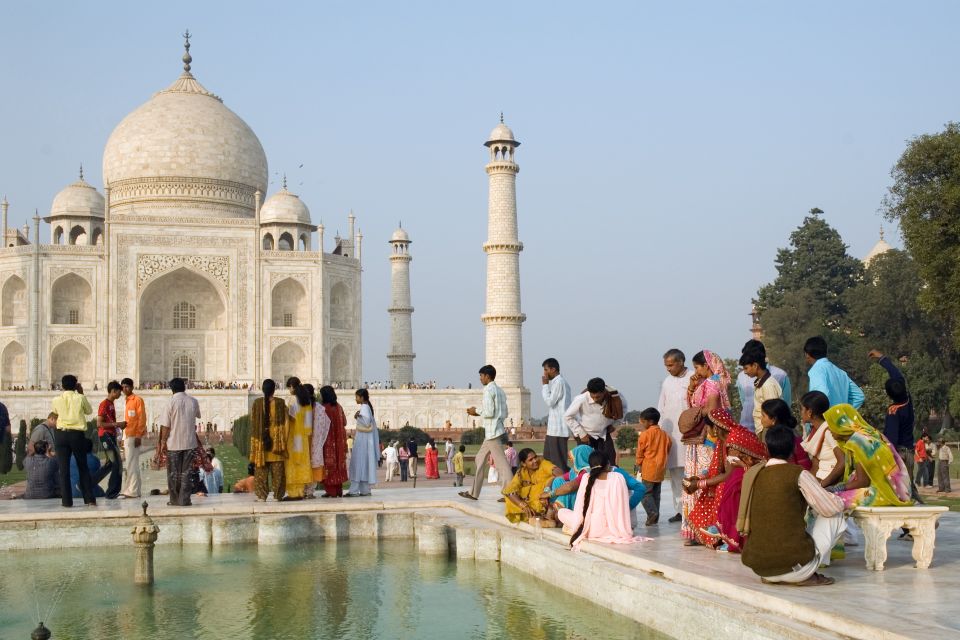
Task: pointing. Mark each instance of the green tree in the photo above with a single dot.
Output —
(625, 439)
(787, 327)
(925, 201)
(817, 261)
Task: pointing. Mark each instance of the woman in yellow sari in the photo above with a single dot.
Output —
(298, 471)
(875, 475)
(525, 492)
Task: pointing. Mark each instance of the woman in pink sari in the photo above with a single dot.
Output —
(602, 509)
(708, 390)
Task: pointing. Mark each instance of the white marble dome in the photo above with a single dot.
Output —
(184, 142)
(79, 199)
(400, 235)
(284, 207)
(501, 133)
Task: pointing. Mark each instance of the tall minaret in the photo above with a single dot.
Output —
(503, 319)
(401, 328)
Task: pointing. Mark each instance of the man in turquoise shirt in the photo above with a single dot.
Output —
(828, 378)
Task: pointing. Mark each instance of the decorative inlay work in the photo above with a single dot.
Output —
(182, 190)
(296, 255)
(86, 274)
(134, 217)
(57, 339)
(277, 276)
(149, 266)
(244, 261)
(301, 341)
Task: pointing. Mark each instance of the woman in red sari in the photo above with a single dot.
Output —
(335, 448)
(746, 447)
(432, 461)
(704, 514)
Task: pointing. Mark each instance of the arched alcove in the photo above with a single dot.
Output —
(71, 300)
(14, 301)
(286, 361)
(288, 304)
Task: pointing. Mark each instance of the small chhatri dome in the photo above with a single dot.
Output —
(79, 199)
(285, 207)
(501, 133)
(882, 246)
(400, 235)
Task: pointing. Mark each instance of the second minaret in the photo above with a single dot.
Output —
(503, 319)
(401, 325)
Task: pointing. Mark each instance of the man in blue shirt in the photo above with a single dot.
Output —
(827, 377)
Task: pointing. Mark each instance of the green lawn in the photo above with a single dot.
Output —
(952, 503)
(234, 465)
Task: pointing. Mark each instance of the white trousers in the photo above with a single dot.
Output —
(676, 488)
(825, 533)
(392, 468)
(132, 467)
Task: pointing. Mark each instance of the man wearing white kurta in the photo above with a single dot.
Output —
(556, 394)
(585, 418)
(494, 413)
(672, 402)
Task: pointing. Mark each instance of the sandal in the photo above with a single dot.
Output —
(467, 494)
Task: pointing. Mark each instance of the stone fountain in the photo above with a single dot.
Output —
(144, 537)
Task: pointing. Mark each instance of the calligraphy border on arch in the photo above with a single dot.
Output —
(126, 242)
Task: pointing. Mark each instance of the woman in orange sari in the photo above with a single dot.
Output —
(335, 447)
(432, 460)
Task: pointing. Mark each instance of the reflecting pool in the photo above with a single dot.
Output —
(343, 590)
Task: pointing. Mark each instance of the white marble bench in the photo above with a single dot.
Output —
(878, 522)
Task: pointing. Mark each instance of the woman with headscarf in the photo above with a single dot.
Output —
(366, 448)
(335, 448)
(708, 390)
(268, 442)
(709, 486)
(432, 461)
(745, 450)
(563, 489)
(298, 465)
(874, 475)
(318, 438)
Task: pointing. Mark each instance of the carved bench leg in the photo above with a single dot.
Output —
(875, 534)
(924, 534)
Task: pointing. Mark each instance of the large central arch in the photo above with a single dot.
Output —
(183, 318)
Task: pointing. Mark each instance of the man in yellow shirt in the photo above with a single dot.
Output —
(72, 409)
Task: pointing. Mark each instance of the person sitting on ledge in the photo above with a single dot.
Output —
(563, 489)
(93, 467)
(525, 499)
(43, 473)
(246, 485)
(875, 475)
(775, 496)
(602, 509)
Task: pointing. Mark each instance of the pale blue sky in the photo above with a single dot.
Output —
(668, 149)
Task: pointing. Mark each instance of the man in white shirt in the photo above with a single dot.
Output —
(745, 384)
(765, 386)
(392, 460)
(585, 417)
(557, 395)
(493, 412)
(673, 402)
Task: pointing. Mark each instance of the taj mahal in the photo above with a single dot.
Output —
(184, 266)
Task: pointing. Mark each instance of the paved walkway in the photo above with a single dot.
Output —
(901, 601)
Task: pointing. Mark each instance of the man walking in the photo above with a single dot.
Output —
(107, 429)
(556, 394)
(592, 414)
(178, 439)
(494, 413)
(135, 415)
(827, 377)
(673, 402)
(72, 409)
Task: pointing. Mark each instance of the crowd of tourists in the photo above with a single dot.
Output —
(774, 488)
(376, 385)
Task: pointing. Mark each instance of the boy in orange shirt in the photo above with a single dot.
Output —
(653, 445)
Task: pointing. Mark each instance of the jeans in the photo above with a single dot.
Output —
(404, 470)
(179, 466)
(651, 500)
(73, 442)
(108, 442)
(943, 476)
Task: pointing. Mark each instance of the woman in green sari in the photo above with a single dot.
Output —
(875, 475)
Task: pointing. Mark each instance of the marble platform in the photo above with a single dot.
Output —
(660, 583)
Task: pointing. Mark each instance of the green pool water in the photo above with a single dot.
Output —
(347, 590)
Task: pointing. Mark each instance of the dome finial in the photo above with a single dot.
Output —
(881, 231)
(284, 182)
(187, 58)
(501, 117)
(81, 177)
